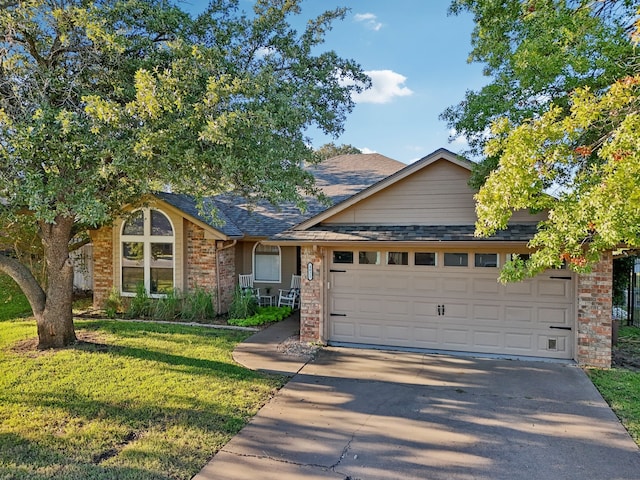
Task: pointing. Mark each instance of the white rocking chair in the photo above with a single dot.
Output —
(246, 286)
(291, 297)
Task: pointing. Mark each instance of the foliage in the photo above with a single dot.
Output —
(198, 305)
(243, 304)
(123, 97)
(132, 401)
(622, 268)
(537, 53)
(329, 150)
(597, 183)
(167, 307)
(140, 305)
(263, 315)
(113, 303)
(13, 303)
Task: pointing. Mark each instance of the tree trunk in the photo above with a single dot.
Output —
(55, 320)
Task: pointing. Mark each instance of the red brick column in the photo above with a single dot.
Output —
(226, 276)
(312, 298)
(102, 240)
(595, 291)
(200, 259)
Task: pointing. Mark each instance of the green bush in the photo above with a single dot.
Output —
(243, 305)
(263, 315)
(113, 303)
(140, 305)
(197, 305)
(168, 307)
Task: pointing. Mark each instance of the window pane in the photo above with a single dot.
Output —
(397, 258)
(342, 257)
(160, 224)
(267, 268)
(425, 258)
(521, 256)
(131, 276)
(132, 254)
(162, 255)
(486, 260)
(161, 280)
(369, 258)
(456, 260)
(135, 224)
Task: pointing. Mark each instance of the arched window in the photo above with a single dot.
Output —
(266, 263)
(147, 252)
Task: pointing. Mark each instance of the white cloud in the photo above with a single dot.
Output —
(386, 85)
(456, 139)
(369, 20)
(367, 150)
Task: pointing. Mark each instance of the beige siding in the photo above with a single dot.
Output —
(436, 195)
(288, 264)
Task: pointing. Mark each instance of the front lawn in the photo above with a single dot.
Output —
(620, 386)
(130, 401)
(13, 303)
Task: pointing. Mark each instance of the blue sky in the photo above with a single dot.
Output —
(416, 55)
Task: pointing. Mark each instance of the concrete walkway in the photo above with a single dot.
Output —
(262, 351)
(378, 415)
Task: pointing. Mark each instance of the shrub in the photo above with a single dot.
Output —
(113, 303)
(140, 305)
(264, 315)
(243, 304)
(167, 307)
(197, 305)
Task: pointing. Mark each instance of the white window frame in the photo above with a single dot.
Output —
(279, 268)
(147, 239)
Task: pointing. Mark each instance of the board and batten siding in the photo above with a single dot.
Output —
(436, 195)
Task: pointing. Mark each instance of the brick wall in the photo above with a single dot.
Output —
(102, 265)
(200, 268)
(227, 276)
(594, 314)
(311, 304)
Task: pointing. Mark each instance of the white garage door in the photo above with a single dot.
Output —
(460, 308)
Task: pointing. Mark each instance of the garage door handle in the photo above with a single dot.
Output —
(560, 278)
(337, 271)
(561, 328)
(338, 314)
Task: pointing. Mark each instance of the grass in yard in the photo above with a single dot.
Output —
(620, 387)
(13, 303)
(130, 401)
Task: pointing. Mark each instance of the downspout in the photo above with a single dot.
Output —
(218, 292)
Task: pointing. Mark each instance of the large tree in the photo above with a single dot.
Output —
(536, 53)
(103, 101)
(566, 139)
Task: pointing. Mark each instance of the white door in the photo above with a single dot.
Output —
(450, 308)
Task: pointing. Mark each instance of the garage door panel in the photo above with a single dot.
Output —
(449, 308)
(553, 288)
(486, 313)
(487, 339)
(519, 314)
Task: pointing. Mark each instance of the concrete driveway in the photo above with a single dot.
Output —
(369, 415)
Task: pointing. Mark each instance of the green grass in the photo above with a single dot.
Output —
(13, 303)
(621, 387)
(134, 401)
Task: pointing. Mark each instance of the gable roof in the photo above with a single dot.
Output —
(338, 178)
(439, 154)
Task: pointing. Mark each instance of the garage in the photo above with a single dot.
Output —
(447, 300)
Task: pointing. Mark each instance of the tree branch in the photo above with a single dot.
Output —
(26, 281)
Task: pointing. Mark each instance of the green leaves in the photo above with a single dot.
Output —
(597, 186)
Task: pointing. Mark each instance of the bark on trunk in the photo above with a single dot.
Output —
(55, 320)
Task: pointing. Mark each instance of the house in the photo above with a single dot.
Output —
(393, 262)
(170, 243)
(397, 264)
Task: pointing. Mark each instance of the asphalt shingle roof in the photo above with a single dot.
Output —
(404, 233)
(338, 177)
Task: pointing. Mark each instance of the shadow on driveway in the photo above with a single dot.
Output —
(366, 414)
